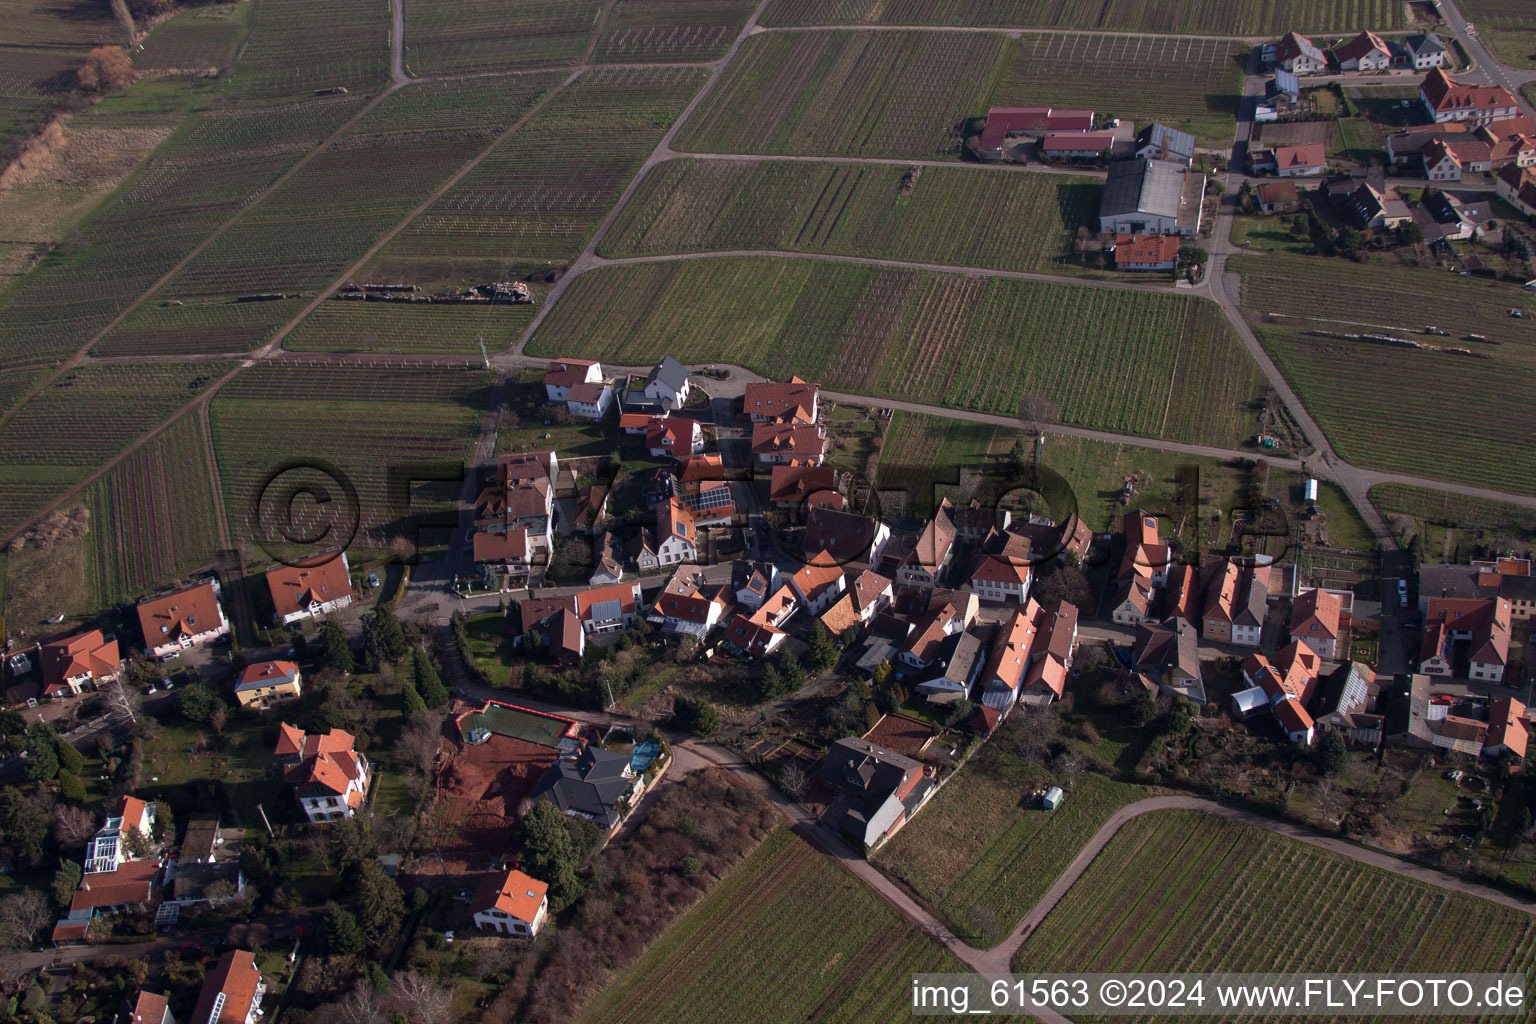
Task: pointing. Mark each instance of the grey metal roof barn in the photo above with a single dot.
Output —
(1145, 196)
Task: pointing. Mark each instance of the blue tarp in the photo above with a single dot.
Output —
(644, 754)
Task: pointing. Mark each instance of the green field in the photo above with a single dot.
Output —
(979, 858)
(1195, 88)
(1186, 891)
(915, 94)
(670, 30)
(49, 444)
(1509, 26)
(788, 935)
(949, 215)
(378, 428)
(195, 40)
(211, 167)
(925, 456)
(1207, 17)
(1158, 365)
(1473, 519)
(408, 328)
(1447, 416)
(295, 47)
(496, 35)
(306, 233)
(883, 94)
(537, 198)
(151, 519)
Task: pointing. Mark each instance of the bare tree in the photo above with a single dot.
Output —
(21, 915)
(792, 778)
(72, 826)
(1332, 801)
(121, 700)
(1035, 410)
(217, 719)
(418, 742)
(423, 999)
(361, 1005)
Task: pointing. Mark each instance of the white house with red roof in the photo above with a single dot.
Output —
(329, 777)
(1297, 54)
(309, 589)
(565, 374)
(76, 662)
(511, 904)
(146, 1008)
(232, 991)
(1517, 186)
(1146, 252)
(589, 400)
(1365, 52)
(819, 583)
(182, 619)
(268, 682)
(1445, 99)
(789, 444)
(687, 606)
(673, 437)
(794, 401)
(108, 850)
(1003, 569)
(760, 634)
(677, 534)
(1508, 729)
(1317, 621)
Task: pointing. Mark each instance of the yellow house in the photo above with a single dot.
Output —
(267, 682)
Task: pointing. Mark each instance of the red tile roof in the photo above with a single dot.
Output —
(1445, 94)
(1362, 45)
(1313, 154)
(320, 579)
(267, 671)
(586, 393)
(290, 741)
(501, 545)
(513, 893)
(84, 653)
(129, 884)
(565, 373)
(811, 484)
(184, 612)
(1146, 248)
(813, 579)
(1317, 608)
(802, 441)
(1507, 725)
(791, 401)
(237, 977)
(1077, 142)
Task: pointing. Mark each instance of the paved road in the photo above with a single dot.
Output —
(1488, 69)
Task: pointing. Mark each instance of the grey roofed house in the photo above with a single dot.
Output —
(1405, 706)
(878, 789)
(1145, 196)
(1163, 143)
(954, 670)
(1424, 45)
(670, 373)
(1463, 581)
(588, 781)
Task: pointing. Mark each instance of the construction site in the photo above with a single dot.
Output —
(492, 765)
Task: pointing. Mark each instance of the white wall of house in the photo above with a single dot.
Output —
(592, 410)
(494, 920)
(1001, 591)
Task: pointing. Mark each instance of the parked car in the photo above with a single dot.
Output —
(373, 579)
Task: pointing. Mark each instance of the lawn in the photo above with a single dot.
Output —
(409, 327)
(788, 935)
(926, 457)
(1412, 509)
(240, 764)
(1447, 415)
(957, 216)
(979, 857)
(1186, 891)
(1157, 365)
(488, 645)
(1208, 17)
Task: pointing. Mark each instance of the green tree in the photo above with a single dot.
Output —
(70, 759)
(823, 653)
(412, 699)
(380, 906)
(25, 822)
(42, 762)
(1193, 255)
(1144, 708)
(136, 843)
(335, 648)
(343, 935)
(554, 846)
(428, 683)
(792, 671)
(71, 789)
(65, 881)
(881, 673)
(696, 715)
(349, 843)
(383, 630)
(771, 683)
(165, 822)
(196, 701)
(1331, 755)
